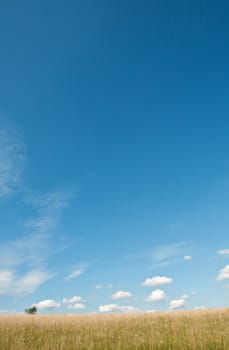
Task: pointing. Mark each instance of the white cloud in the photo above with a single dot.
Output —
(77, 306)
(129, 309)
(6, 281)
(74, 299)
(165, 251)
(121, 295)
(178, 303)
(223, 252)
(223, 274)
(48, 304)
(100, 286)
(50, 203)
(187, 257)
(12, 161)
(31, 281)
(150, 311)
(156, 295)
(163, 255)
(117, 308)
(11, 284)
(32, 251)
(109, 308)
(38, 245)
(157, 281)
(75, 273)
(200, 307)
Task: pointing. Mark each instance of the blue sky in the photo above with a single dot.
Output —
(114, 167)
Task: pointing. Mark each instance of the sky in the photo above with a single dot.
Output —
(114, 156)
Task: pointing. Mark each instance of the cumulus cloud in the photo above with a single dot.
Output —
(48, 304)
(223, 274)
(200, 307)
(74, 299)
(117, 308)
(12, 161)
(157, 281)
(187, 257)
(150, 311)
(77, 306)
(223, 252)
(156, 295)
(121, 295)
(178, 303)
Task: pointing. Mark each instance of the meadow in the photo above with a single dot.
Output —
(194, 330)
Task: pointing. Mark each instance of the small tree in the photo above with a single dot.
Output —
(31, 311)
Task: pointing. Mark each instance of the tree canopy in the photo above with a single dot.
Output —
(31, 311)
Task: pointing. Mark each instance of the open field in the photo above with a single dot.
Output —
(196, 330)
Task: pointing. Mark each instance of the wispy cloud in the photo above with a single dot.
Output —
(32, 251)
(12, 283)
(101, 286)
(29, 250)
(223, 252)
(167, 254)
(24, 257)
(49, 203)
(76, 271)
(12, 161)
(162, 255)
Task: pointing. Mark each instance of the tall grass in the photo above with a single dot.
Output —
(197, 330)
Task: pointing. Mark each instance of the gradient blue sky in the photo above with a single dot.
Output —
(114, 155)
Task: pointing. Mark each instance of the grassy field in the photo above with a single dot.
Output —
(196, 330)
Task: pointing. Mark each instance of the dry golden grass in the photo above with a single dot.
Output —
(197, 330)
